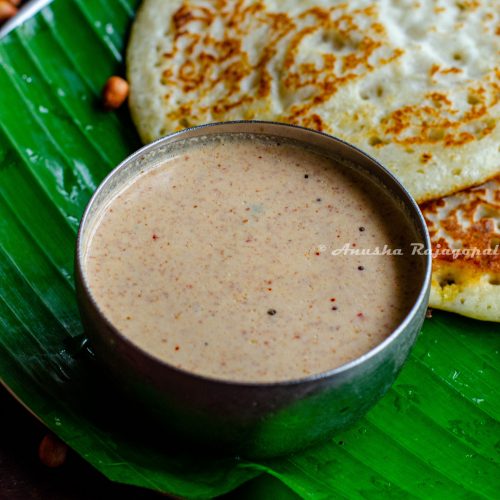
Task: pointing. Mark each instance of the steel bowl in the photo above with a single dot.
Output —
(251, 419)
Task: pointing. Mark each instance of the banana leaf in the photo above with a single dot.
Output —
(436, 434)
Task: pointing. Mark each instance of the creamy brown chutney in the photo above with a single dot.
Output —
(219, 261)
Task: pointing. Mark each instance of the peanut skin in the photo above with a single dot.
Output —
(52, 452)
(115, 92)
(7, 10)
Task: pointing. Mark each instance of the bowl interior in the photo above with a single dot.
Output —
(158, 151)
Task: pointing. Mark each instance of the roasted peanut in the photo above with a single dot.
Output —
(52, 452)
(114, 92)
(7, 10)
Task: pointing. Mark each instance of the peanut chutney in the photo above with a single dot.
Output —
(233, 258)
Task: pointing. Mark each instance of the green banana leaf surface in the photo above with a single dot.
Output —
(436, 434)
